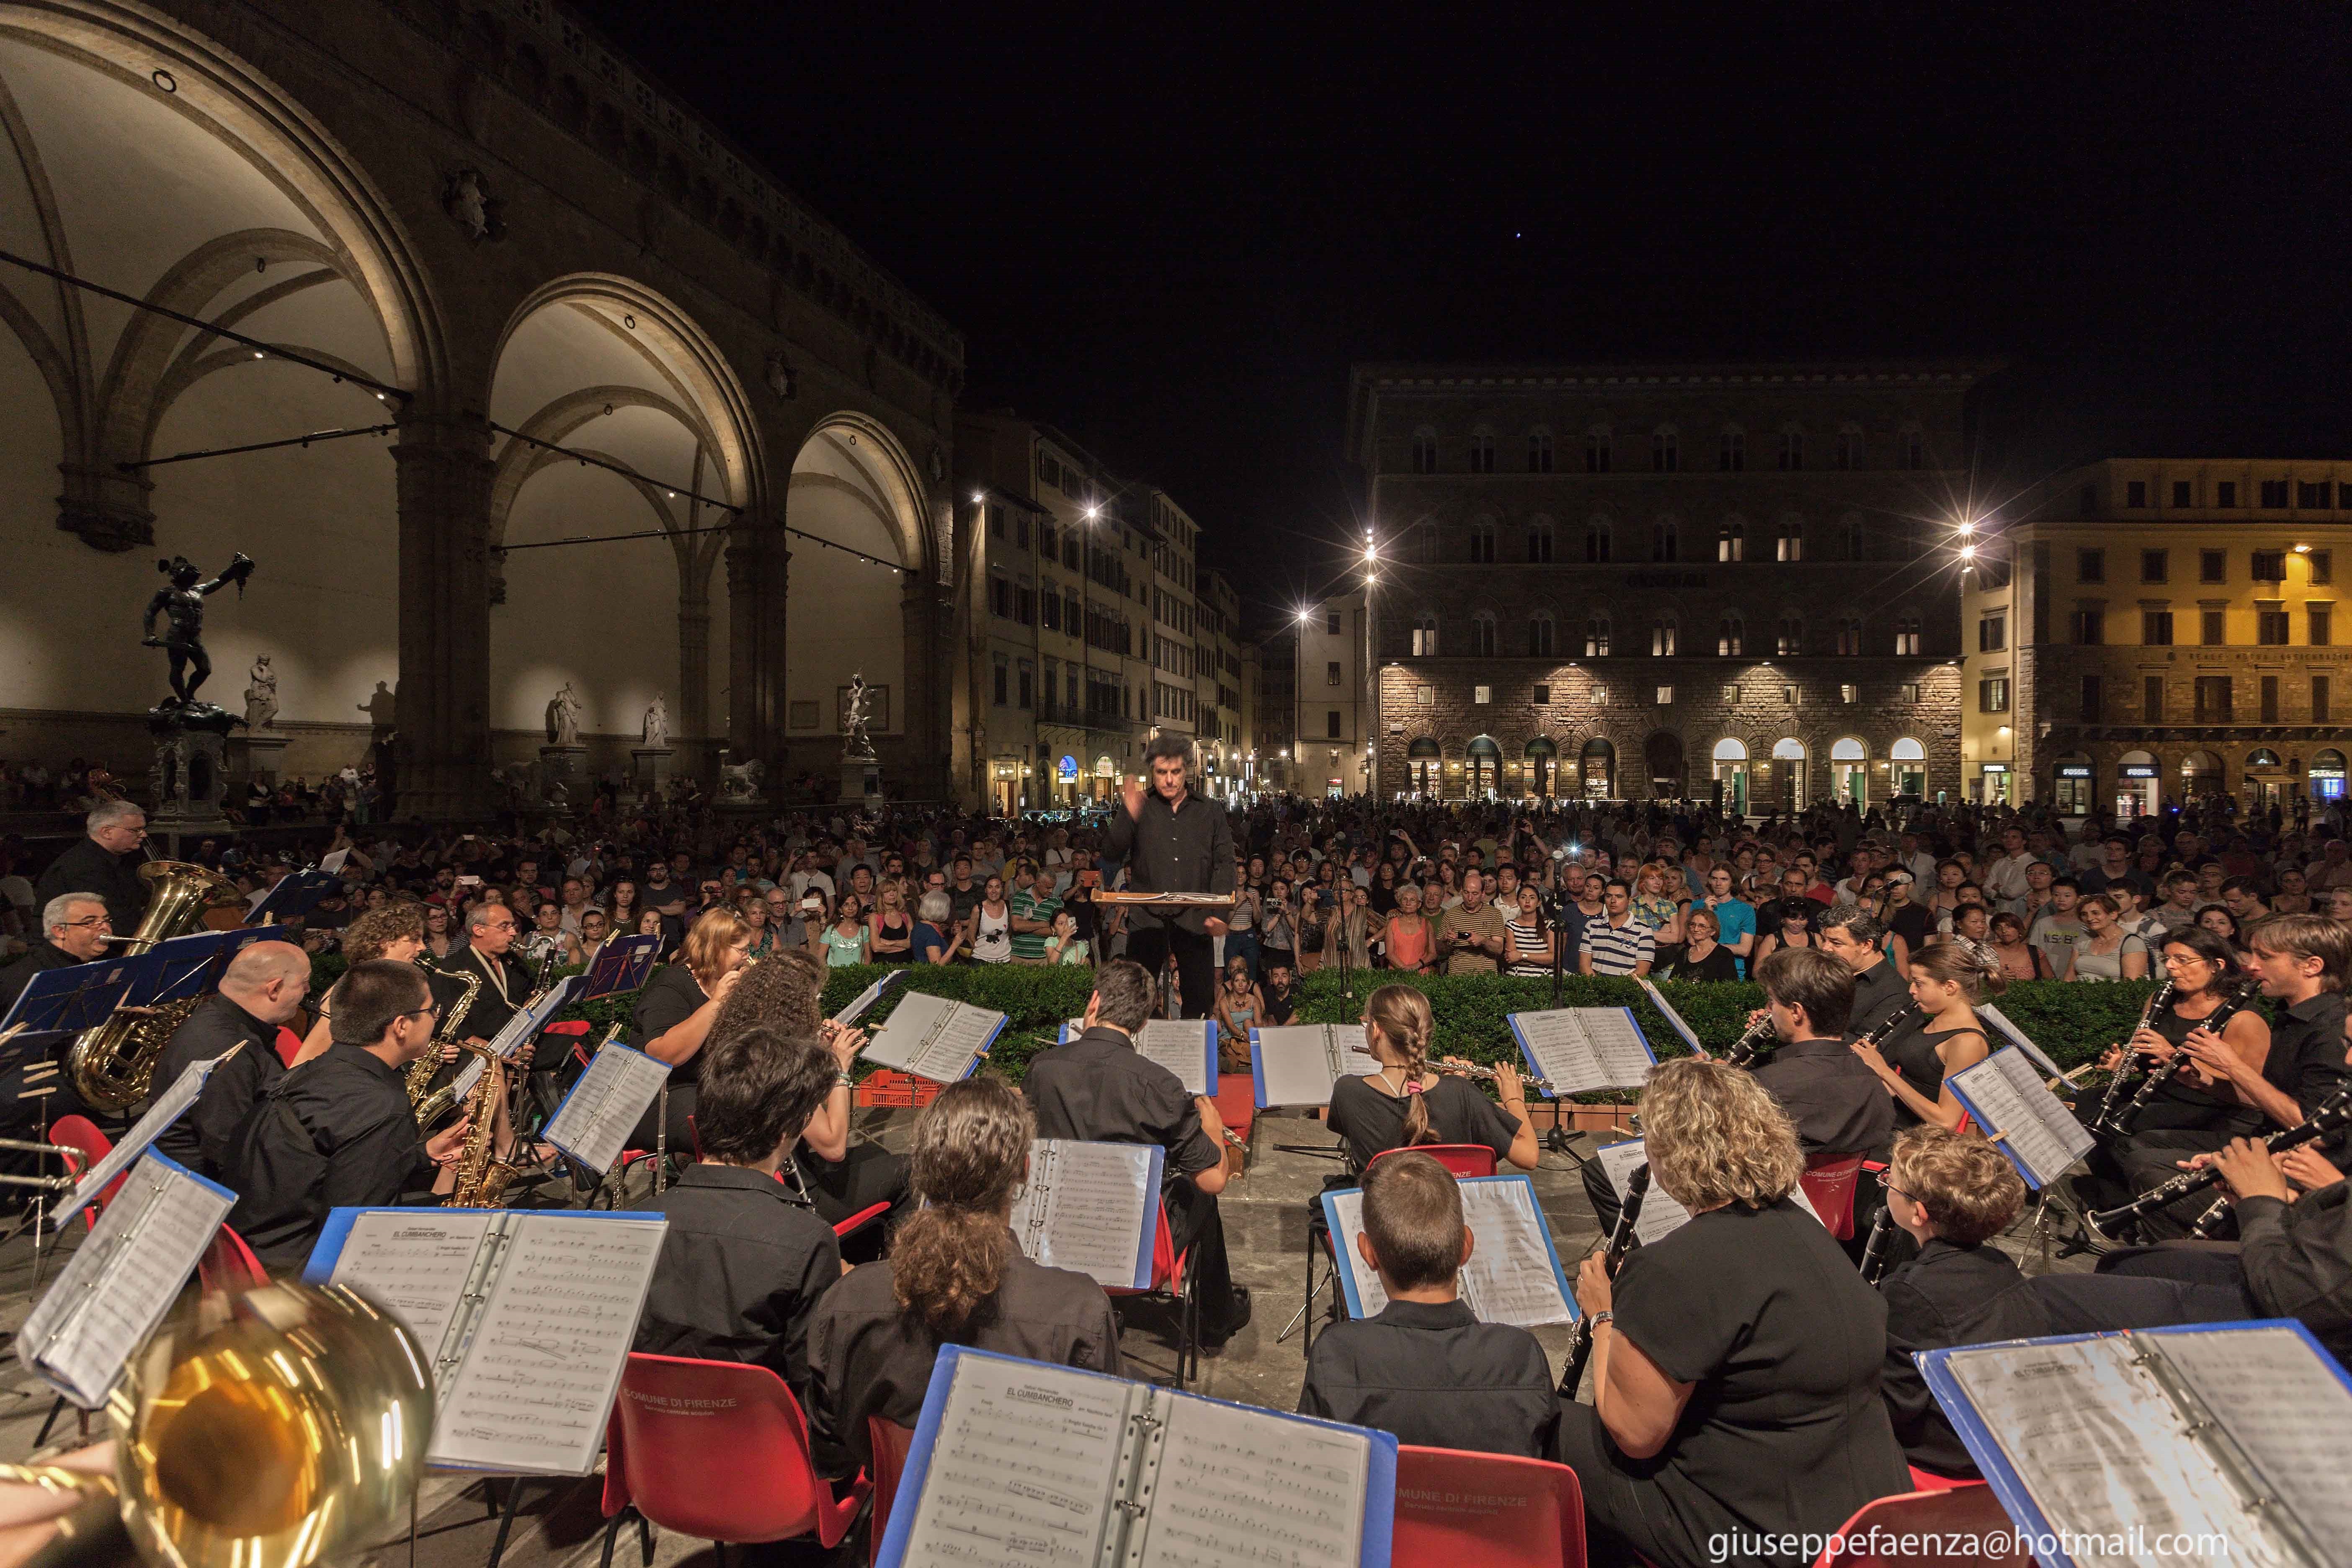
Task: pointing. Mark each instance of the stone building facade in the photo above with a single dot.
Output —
(1660, 581)
(2145, 630)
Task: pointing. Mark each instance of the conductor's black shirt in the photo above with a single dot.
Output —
(1187, 850)
(203, 1137)
(336, 1132)
(741, 1269)
(1099, 1089)
(1436, 1377)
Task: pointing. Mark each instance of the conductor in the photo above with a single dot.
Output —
(1173, 841)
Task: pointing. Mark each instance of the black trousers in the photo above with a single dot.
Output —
(1196, 961)
(1194, 1223)
(2151, 1159)
(1624, 1511)
(2150, 1288)
(865, 1175)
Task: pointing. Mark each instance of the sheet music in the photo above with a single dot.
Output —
(1987, 1012)
(1022, 1470)
(1296, 1062)
(413, 1263)
(915, 1041)
(1246, 1488)
(1085, 1207)
(1674, 1019)
(594, 1123)
(1512, 1278)
(622, 963)
(1183, 1046)
(1347, 1223)
(2042, 1134)
(135, 1142)
(1661, 1217)
(542, 1366)
(523, 1027)
(2288, 1414)
(123, 1279)
(2102, 1450)
(1582, 1049)
(332, 862)
(863, 1002)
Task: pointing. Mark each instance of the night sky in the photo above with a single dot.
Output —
(1171, 232)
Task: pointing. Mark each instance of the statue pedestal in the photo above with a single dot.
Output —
(564, 768)
(649, 776)
(191, 773)
(861, 780)
(252, 757)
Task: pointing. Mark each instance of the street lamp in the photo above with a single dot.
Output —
(1298, 701)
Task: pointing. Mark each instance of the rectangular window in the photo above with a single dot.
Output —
(1425, 696)
(2312, 496)
(1731, 695)
(2090, 565)
(1596, 453)
(2270, 700)
(2156, 565)
(1331, 623)
(2270, 566)
(2225, 494)
(1789, 695)
(1666, 697)
(995, 521)
(2151, 700)
(1003, 678)
(1482, 694)
(1733, 457)
(1000, 597)
(2213, 566)
(2156, 628)
(1331, 672)
(1028, 687)
(2322, 563)
(2213, 699)
(1050, 608)
(1992, 696)
(1793, 451)
(2212, 629)
(2181, 492)
(1663, 454)
(1542, 695)
(2136, 493)
(2090, 699)
(1910, 691)
(2319, 700)
(1331, 724)
(2090, 627)
(2273, 494)
(2270, 626)
(2322, 618)
(1993, 634)
(1849, 693)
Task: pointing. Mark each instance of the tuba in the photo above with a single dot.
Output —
(112, 1063)
(276, 1425)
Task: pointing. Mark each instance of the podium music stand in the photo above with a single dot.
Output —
(1177, 902)
(622, 964)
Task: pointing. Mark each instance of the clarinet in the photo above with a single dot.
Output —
(1888, 1024)
(1751, 1049)
(2113, 1103)
(2336, 1114)
(1621, 1241)
(1875, 1250)
(2240, 996)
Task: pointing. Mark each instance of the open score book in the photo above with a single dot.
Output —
(1093, 1208)
(1514, 1274)
(1298, 1064)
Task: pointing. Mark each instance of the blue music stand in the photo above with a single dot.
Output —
(621, 964)
(81, 996)
(294, 896)
(193, 965)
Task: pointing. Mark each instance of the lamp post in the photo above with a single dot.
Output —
(1368, 711)
(1298, 706)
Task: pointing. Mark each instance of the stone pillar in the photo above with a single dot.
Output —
(443, 469)
(694, 659)
(758, 569)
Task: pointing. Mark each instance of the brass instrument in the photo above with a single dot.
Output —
(481, 1177)
(428, 1104)
(276, 1426)
(112, 1063)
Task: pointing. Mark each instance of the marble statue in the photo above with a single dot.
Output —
(741, 781)
(182, 605)
(563, 718)
(261, 695)
(854, 742)
(656, 731)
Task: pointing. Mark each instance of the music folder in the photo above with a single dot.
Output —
(935, 1037)
(1673, 1020)
(1299, 1064)
(594, 1123)
(622, 963)
(1582, 1049)
(1185, 1046)
(1514, 1275)
(520, 1030)
(168, 1108)
(122, 1279)
(294, 896)
(526, 1320)
(2004, 1093)
(1093, 1208)
(2234, 1432)
(1028, 1465)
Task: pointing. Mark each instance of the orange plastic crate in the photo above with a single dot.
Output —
(885, 1087)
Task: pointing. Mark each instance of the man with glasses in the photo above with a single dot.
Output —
(105, 861)
(491, 931)
(74, 929)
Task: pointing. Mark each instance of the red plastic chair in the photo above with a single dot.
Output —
(890, 1443)
(1928, 1481)
(81, 1134)
(1464, 1160)
(228, 1264)
(1171, 1281)
(858, 1221)
(290, 1044)
(1927, 1518)
(1453, 1508)
(1236, 1103)
(1829, 1183)
(719, 1450)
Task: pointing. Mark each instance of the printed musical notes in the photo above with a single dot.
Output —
(1297, 1064)
(1092, 1208)
(1514, 1275)
(416, 1263)
(2004, 1092)
(167, 1109)
(1022, 1470)
(1185, 1046)
(594, 1123)
(1237, 1486)
(2289, 1417)
(934, 1037)
(1581, 1049)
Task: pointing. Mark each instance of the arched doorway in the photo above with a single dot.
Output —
(1788, 761)
(1909, 763)
(1484, 761)
(2327, 775)
(1543, 767)
(2075, 785)
(2139, 785)
(1662, 753)
(1424, 770)
(2265, 778)
(1731, 777)
(2201, 775)
(1598, 768)
(1850, 771)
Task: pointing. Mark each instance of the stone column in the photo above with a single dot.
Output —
(758, 567)
(694, 657)
(442, 475)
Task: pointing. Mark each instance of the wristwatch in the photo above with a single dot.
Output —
(1604, 1316)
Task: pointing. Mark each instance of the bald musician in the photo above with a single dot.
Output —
(262, 990)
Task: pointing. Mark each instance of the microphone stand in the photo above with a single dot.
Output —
(1556, 1139)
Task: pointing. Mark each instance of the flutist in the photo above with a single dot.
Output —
(1406, 1103)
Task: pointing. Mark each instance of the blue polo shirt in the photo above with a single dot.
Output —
(1733, 920)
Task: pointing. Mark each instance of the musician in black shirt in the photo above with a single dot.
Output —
(34, 1092)
(104, 862)
(506, 983)
(1851, 936)
(1176, 841)
(1425, 1368)
(262, 990)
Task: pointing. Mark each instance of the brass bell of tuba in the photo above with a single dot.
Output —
(112, 1063)
(264, 1428)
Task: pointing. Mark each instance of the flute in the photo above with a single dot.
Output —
(2334, 1114)
(1487, 1074)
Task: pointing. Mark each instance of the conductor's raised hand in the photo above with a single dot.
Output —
(1131, 791)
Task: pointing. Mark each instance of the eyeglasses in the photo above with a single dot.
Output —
(430, 1010)
(2181, 960)
(92, 920)
(1887, 1180)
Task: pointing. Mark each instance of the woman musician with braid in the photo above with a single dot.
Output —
(1406, 1103)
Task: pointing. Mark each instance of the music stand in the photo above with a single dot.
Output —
(621, 964)
(294, 896)
(1135, 899)
(189, 966)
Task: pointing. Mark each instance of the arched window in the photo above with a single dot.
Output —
(1850, 525)
(1596, 539)
(1731, 458)
(1596, 635)
(1849, 635)
(1482, 540)
(1790, 641)
(1540, 450)
(1915, 447)
(1481, 634)
(1665, 450)
(1665, 540)
(1482, 450)
(1791, 541)
(1662, 637)
(1730, 634)
(1424, 450)
(1849, 447)
(1731, 544)
(1539, 541)
(1427, 535)
(1790, 455)
(1425, 635)
(1906, 636)
(1597, 447)
(1540, 634)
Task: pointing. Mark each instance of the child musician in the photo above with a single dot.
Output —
(1425, 1368)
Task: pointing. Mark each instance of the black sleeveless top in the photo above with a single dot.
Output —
(2181, 1104)
(1912, 1053)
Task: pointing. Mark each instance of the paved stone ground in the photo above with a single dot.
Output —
(560, 1525)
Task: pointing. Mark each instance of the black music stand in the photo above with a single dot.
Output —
(622, 963)
(294, 896)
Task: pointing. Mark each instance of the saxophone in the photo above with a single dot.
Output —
(112, 1063)
(481, 1178)
(428, 1105)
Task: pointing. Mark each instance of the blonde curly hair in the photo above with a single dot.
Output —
(1714, 1136)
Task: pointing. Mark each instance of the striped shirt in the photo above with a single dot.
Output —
(1615, 949)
